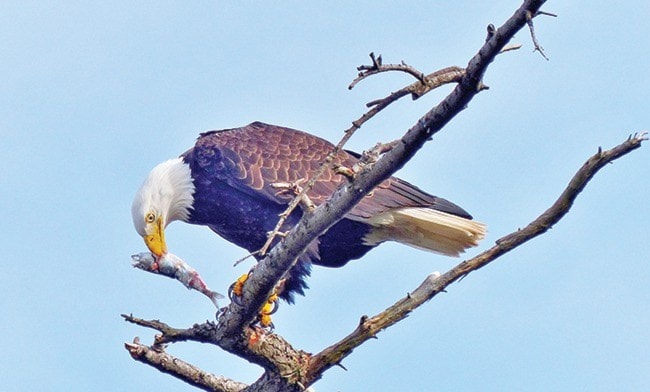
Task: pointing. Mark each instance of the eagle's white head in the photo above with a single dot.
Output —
(165, 196)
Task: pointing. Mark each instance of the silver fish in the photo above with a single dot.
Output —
(174, 267)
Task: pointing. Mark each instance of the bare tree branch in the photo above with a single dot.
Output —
(533, 36)
(270, 351)
(377, 67)
(182, 370)
(436, 283)
(419, 88)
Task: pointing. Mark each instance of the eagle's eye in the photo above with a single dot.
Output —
(150, 217)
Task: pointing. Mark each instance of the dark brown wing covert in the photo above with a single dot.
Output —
(253, 157)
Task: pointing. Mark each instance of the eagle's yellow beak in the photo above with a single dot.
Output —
(156, 240)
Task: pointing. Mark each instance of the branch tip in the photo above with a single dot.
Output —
(540, 12)
(510, 47)
(491, 30)
(531, 28)
(641, 136)
(363, 320)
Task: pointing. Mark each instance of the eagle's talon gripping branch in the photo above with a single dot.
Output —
(271, 305)
(236, 289)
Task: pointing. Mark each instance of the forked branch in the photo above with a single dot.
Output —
(377, 67)
(531, 28)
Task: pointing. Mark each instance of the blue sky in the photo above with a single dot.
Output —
(92, 96)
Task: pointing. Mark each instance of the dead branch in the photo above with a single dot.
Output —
(510, 47)
(256, 345)
(377, 67)
(436, 283)
(182, 370)
(420, 88)
(531, 27)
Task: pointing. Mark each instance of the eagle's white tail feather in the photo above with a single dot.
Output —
(425, 228)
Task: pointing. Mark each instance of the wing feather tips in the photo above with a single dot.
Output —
(427, 229)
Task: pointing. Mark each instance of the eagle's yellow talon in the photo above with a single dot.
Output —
(268, 309)
(238, 286)
(270, 306)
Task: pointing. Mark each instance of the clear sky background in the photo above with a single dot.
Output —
(94, 94)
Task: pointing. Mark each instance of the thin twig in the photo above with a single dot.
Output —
(378, 67)
(540, 12)
(241, 260)
(531, 27)
(508, 48)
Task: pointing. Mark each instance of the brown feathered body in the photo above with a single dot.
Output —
(234, 172)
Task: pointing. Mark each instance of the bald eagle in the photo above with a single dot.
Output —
(225, 182)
